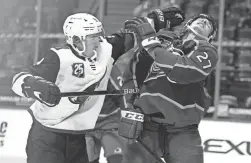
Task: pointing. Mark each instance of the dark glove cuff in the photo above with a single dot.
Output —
(27, 89)
(28, 79)
(31, 79)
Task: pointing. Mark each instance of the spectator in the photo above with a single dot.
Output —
(146, 6)
(246, 21)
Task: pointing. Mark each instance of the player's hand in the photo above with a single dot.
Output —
(131, 124)
(143, 30)
(167, 18)
(132, 25)
(44, 91)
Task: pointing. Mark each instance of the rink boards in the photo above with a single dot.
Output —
(222, 141)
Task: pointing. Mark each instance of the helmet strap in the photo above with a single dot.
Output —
(188, 36)
(197, 34)
(80, 52)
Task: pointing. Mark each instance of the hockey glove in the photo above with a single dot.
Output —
(167, 18)
(42, 90)
(130, 25)
(131, 124)
(143, 30)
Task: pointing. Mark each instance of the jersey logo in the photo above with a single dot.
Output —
(78, 100)
(74, 100)
(39, 62)
(78, 70)
(82, 99)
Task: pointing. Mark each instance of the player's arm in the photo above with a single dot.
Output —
(39, 78)
(194, 67)
(124, 39)
(181, 69)
(121, 43)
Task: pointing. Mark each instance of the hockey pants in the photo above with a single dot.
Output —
(45, 146)
(175, 145)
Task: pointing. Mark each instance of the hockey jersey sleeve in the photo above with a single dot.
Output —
(190, 68)
(47, 68)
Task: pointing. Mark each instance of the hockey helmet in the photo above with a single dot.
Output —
(80, 25)
(203, 16)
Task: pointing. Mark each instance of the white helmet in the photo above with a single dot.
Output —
(80, 25)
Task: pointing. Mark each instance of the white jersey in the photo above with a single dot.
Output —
(72, 74)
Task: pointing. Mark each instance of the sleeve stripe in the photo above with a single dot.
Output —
(109, 114)
(114, 83)
(183, 66)
(19, 75)
(190, 54)
(159, 76)
(118, 88)
(195, 105)
(125, 103)
(17, 85)
(196, 47)
(170, 80)
(193, 68)
(164, 65)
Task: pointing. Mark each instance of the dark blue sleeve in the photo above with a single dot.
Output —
(47, 68)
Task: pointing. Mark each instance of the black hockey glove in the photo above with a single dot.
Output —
(130, 25)
(167, 18)
(42, 90)
(186, 48)
(145, 33)
(131, 124)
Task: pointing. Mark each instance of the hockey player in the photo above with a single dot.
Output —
(172, 101)
(84, 64)
(105, 133)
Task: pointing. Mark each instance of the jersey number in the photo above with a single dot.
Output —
(78, 70)
(120, 79)
(204, 57)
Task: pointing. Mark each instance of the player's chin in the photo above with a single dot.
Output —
(200, 30)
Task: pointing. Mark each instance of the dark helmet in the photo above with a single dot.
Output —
(204, 16)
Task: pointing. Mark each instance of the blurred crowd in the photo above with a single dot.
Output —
(20, 17)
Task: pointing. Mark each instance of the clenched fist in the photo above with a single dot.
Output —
(167, 18)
